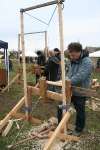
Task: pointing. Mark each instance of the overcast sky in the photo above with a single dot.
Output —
(81, 23)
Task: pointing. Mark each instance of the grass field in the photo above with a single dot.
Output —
(42, 111)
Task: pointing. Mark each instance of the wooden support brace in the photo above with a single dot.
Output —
(11, 82)
(64, 137)
(54, 96)
(23, 117)
(8, 128)
(14, 110)
(64, 120)
(49, 94)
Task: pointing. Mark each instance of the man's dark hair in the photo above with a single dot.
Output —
(75, 46)
(39, 53)
(56, 50)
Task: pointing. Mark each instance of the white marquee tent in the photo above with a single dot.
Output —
(29, 54)
(95, 54)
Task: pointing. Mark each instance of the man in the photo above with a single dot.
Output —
(52, 67)
(80, 75)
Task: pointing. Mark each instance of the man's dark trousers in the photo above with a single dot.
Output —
(79, 104)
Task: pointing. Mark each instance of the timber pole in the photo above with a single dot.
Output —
(18, 48)
(62, 52)
(24, 64)
(41, 5)
(61, 125)
(46, 47)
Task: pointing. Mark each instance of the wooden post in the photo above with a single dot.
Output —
(29, 97)
(46, 47)
(24, 64)
(43, 88)
(68, 96)
(68, 91)
(62, 57)
(62, 51)
(19, 48)
(58, 129)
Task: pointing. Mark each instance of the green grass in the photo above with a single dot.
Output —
(14, 134)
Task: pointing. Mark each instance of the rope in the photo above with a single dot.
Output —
(36, 18)
(52, 16)
(42, 20)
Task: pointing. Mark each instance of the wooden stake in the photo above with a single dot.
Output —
(11, 82)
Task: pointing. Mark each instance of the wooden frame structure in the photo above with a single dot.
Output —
(43, 91)
(59, 3)
(29, 33)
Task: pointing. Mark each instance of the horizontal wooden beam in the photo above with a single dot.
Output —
(28, 33)
(22, 116)
(85, 92)
(80, 90)
(54, 96)
(49, 94)
(57, 83)
(9, 115)
(40, 5)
